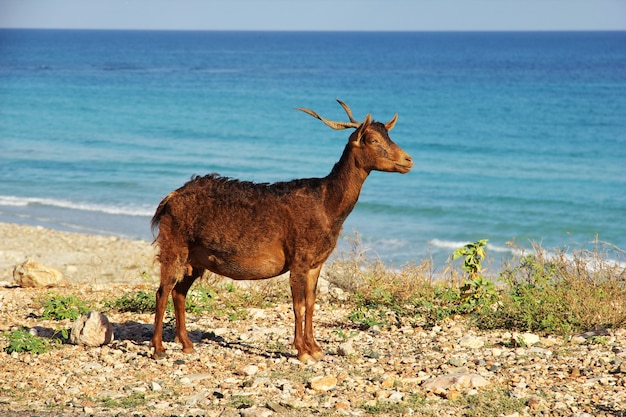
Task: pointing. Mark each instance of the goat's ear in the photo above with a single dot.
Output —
(391, 123)
(361, 130)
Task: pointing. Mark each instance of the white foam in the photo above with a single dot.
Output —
(454, 245)
(52, 202)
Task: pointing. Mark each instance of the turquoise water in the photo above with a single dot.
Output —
(514, 135)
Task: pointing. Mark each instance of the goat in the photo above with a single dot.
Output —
(251, 231)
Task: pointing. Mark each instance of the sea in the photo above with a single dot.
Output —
(517, 137)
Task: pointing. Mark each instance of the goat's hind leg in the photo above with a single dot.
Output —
(179, 296)
(162, 295)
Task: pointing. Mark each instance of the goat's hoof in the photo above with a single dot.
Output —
(311, 358)
(189, 350)
(306, 358)
(317, 355)
(159, 355)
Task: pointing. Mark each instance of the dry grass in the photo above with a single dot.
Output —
(558, 291)
(546, 291)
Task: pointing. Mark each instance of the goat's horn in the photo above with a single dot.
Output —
(330, 123)
(347, 109)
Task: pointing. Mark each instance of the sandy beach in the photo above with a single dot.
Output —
(244, 366)
(82, 258)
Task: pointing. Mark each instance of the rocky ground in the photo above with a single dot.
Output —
(244, 366)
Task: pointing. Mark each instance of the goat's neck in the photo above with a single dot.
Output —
(344, 185)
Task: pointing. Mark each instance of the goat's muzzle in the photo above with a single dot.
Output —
(405, 163)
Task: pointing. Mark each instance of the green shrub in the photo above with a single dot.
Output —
(561, 293)
(134, 302)
(477, 292)
(57, 307)
(21, 341)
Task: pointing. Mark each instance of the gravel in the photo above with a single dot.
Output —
(246, 367)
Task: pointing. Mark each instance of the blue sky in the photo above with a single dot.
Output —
(316, 14)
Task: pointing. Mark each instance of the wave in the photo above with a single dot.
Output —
(128, 210)
(454, 245)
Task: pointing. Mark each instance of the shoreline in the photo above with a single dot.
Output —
(81, 257)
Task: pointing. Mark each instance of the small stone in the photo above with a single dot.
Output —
(388, 383)
(346, 349)
(453, 395)
(323, 383)
(338, 294)
(457, 361)
(155, 386)
(342, 405)
(256, 412)
(535, 403)
(35, 274)
(472, 342)
(250, 370)
(454, 382)
(194, 377)
(257, 313)
(496, 352)
(527, 339)
(92, 330)
(396, 397)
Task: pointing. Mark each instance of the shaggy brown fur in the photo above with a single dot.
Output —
(244, 230)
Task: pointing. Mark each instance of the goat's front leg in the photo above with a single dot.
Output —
(303, 288)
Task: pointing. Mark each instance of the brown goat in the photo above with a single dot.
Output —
(249, 231)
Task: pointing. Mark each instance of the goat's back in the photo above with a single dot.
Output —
(216, 205)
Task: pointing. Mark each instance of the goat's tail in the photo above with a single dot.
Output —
(160, 211)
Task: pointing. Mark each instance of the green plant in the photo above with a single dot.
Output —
(489, 404)
(476, 291)
(135, 302)
(561, 293)
(21, 341)
(132, 400)
(342, 335)
(57, 307)
(200, 299)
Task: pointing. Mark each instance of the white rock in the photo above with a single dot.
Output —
(395, 397)
(256, 412)
(338, 294)
(34, 274)
(92, 330)
(456, 382)
(323, 383)
(346, 349)
(472, 342)
(250, 370)
(257, 313)
(527, 339)
(194, 377)
(155, 386)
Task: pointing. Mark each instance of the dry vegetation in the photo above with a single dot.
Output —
(552, 293)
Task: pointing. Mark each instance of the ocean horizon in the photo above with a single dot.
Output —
(516, 136)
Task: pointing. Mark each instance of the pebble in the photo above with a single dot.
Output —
(260, 376)
(454, 382)
(323, 383)
(526, 339)
(346, 349)
(472, 342)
